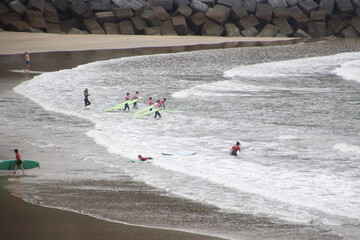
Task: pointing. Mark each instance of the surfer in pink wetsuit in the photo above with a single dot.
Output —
(19, 161)
(235, 149)
(127, 98)
(144, 158)
(151, 102)
(158, 106)
(162, 103)
(136, 96)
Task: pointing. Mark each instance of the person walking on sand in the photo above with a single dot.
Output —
(86, 97)
(235, 149)
(127, 98)
(136, 96)
(19, 161)
(144, 158)
(27, 62)
(157, 106)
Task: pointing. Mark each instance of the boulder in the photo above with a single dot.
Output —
(20, 26)
(138, 6)
(111, 28)
(180, 26)
(248, 22)
(53, 28)
(268, 31)
(61, 5)
(138, 24)
(317, 16)
(210, 3)
(102, 6)
(126, 27)
(48, 7)
(151, 18)
(35, 19)
(184, 10)
(264, 12)
(298, 18)
(228, 3)
(219, 14)
(355, 23)
(317, 29)
(281, 12)
(231, 30)
(212, 29)
(356, 3)
(163, 14)
(349, 32)
(17, 7)
(152, 31)
(307, 6)
(238, 12)
(77, 31)
(3, 8)
(51, 17)
(8, 18)
(292, 2)
(344, 7)
(79, 7)
(36, 5)
(121, 3)
(336, 24)
(198, 6)
(278, 3)
(178, 3)
(301, 34)
(196, 21)
(327, 6)
(123, 13)
(250, 32)
(167, 28)
(357, 11)
(166, 4)
(93, 26)
(283, 25)
(103, 17)
(250, 5)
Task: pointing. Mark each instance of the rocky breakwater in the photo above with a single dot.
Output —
(248, 18)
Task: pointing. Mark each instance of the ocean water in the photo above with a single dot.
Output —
(295, 110)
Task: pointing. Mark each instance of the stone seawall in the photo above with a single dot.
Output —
(248, 18)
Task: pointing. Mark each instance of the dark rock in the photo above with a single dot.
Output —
(250, 32)
(67, 25)
(53, 28)
(212, 29)
(281, 12)
(344, 7)
(167, 28)
(238, 12)
(356, 3)
(268, 31)
(196, 21)
(228, 3)
(307, 6)
(93, 26)
(103, 17)
(151, 18)
(138, 24)
(123, 13)
(51, 17)
(357, 11)
(166, 4)
(48, 7)
(8, 18)
(20, 26)
(184, 10)
(102, 6)
(292, 2)
(3, 8)
(210, 3)
(77, 31)
(138, 6)
(248, 22)
(17, 7)
(152, 31)
(198, 6)
(327, 6)
(278, 3)
(231, 30)
(355, 23)
(79, 7)
(163, 14)
(180, 26)
(283, 25)
(111, 28)
(264, 12)
(125, 27)
(121, 3)
(178, 3)
(62, 5)
(317, 29)
(336, 24)
(317, 16)
(349, 32)
(302, 34)
(298, 18)
(250, 5)
(35, 19)
(219, 14)
(36, 5)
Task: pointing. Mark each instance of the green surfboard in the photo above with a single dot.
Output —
(121, 105)
(144, 109)
(10, 164)
(145, 114)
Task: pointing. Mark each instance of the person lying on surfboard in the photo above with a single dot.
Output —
(127, 98)
(235, 149)
(144, 158)
(19, 161)
(136, 96)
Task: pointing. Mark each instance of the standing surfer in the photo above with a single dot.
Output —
(127, 98)
(151, 102)
(157, 106)
(86, 97)
(19, 161)
(27, 62)
(162, 103)
(235, 149)
(136, 96)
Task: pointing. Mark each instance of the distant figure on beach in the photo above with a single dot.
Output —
(235, 149)
(136, 96)
(151, 102)
(27, 62)
(144, 158)
(158, 106)
(19, 161)
(162, 103)
(86, 97)
(127, 98)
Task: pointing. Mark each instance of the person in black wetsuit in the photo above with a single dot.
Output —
(86, 97)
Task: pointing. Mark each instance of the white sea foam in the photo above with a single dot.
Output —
(349, 70)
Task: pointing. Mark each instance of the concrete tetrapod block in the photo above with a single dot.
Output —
(79, 7)
(180, 26)
(61, 5)
(250, 32)
(284, 26)
(93, 26)
(268, 31)
(212, 29)
(167, 28)
(8, 18)
(264, 12)
(327, 6)
(219, 14)
(36, 19)
(163, 14)
(123, 13)
(111, 28)
(151, 18)
(336, 24)
(36, 5)
(51, 17)
(103, 17)
(152, 31)
(231, 30)
(196, 21)
(20, 26)
(349, 32)
(126, 27)
(281, 12)
(248, 22)
(238, 12)
(317, 29)
(307, 6)
(184, 10)
(139, 24)
(250, 5)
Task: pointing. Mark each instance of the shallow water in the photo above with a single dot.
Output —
(295, 110)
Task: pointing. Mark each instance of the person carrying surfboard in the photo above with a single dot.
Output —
(158, 106)
(144, 158)
(235, 149)
(136, 96)
(19, 161)
(151, 102)
(162, 102)
(86, 97)
(127, 98)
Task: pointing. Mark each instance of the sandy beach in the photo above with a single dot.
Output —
(50, 52)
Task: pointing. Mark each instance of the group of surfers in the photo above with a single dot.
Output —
(159, 103)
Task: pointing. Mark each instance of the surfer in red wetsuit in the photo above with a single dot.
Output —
(144, 158)
(19, 161)
(162, 103)
(235, 149)
(136, 96)
(157, 106)
(127, 98)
